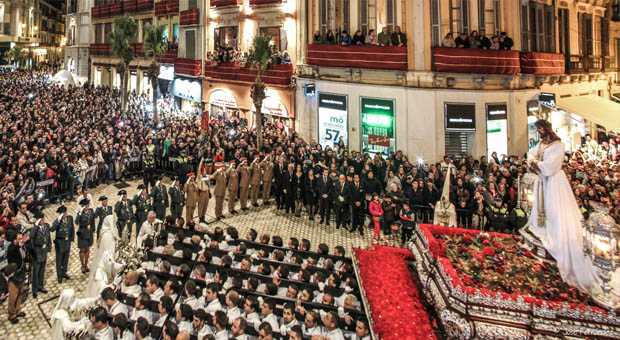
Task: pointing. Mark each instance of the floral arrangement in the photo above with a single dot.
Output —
(492, 263)
(394, 300)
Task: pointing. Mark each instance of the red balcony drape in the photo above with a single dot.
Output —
(542, 63)
(190, 17)
(275, 75)
(186, 66)
(372, 57)
(468, 60)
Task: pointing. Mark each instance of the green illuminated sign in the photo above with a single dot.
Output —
(378, 125)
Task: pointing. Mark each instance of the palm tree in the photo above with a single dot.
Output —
(124, 33)
(258, 59)
(15, 55)
(154, 46)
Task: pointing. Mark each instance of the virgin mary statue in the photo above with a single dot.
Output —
(555, 217)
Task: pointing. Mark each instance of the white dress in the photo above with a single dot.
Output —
(562, 232)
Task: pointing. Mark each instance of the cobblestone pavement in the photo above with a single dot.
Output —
(263, 219)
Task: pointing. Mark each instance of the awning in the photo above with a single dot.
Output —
(596, 109)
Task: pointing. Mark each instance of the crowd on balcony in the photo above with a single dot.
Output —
(499, 41)
(229, 54)
(387, 37)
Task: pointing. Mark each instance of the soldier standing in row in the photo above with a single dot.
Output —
(141, 207)
(102, 212)
(219, 191)
(159, 199)
(256, 174)
(86, 229)
(191, 193)
(123, 212)
(267, 166)
(233, 187)
(176, 199)
(41, 243)
(244, 183)
(148, 161)
(65, 234)
(204, 193)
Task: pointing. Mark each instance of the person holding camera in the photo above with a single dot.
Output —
(15, 272)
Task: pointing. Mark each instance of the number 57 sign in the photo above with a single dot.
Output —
(332, 119)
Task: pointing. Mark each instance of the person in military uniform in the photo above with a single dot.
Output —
(177, 199)
(191, 194)
(159, 199)
(220, 191)
(256, 174)
(124, 214)
(267, 165)
(244, 183)
(102, 211)
(40, 242)
(65, 234)
(233, 186)
(148, 163)
(86, 226)
(204, 193)
(141, 207)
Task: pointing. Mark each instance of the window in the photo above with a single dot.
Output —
(363, 16)
(99, 34)
(497, 12)
(481, 17)
(435, 23)
(346, 15)
(391, 8)
(537, 27)
(107, 31)
(604, 36)
(192, 4)
(175, 33)
(226, 36)
(274, 33)
(324, 10)
(145, 23)
(459, 16)
(563, 28)
(586, 41)
(190, 44)
(489, 16)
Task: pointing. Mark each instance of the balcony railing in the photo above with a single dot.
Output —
(224, 3)
(167, 7)
(190, 67)
(107, 10)
(100, 49)
(130, 6)
(189, 17)
(466, 60)
(540, 63)
(588, 64)
(264, 2)
(144, 5)
(138, 49)
(275, 75)
(371, 57)
(169, 57)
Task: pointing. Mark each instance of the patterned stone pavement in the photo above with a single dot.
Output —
(264, 219)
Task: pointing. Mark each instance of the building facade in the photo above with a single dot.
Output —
(51, 32)
(77, 33)
(429, 100)
(19, 22)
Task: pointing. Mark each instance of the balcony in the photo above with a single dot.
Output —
(540, 63)
(189, 67)
(466, 60)
(169, 57)
(167, 7)
(138, 49)
(264, 2)
(130, 6)
(224, 3)
(588, 64)
(276, 74)
(107, 10)
(370, 57)
(189, 17)
(100, 49)
(144, 5)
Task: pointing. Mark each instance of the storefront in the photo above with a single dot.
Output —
(460, 124)
(378, 125)
(165, 78)
(533, 112)
(145, 87)
(133, 81)
(188, 93)
(223, 105)
(332, 119)
(497, 129)
(274, 112)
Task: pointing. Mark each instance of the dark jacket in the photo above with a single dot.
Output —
(14, 255)
(324, 187)
(40, 242)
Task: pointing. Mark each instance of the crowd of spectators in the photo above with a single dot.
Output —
(387, 37)
(474, 39)
(229, 54)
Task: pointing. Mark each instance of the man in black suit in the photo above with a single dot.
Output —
(342, 200)
(15, 272)
(324, 191)
(40, 243)
(278, 171)
(289, 188)
(65, 234)
(358, 198)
